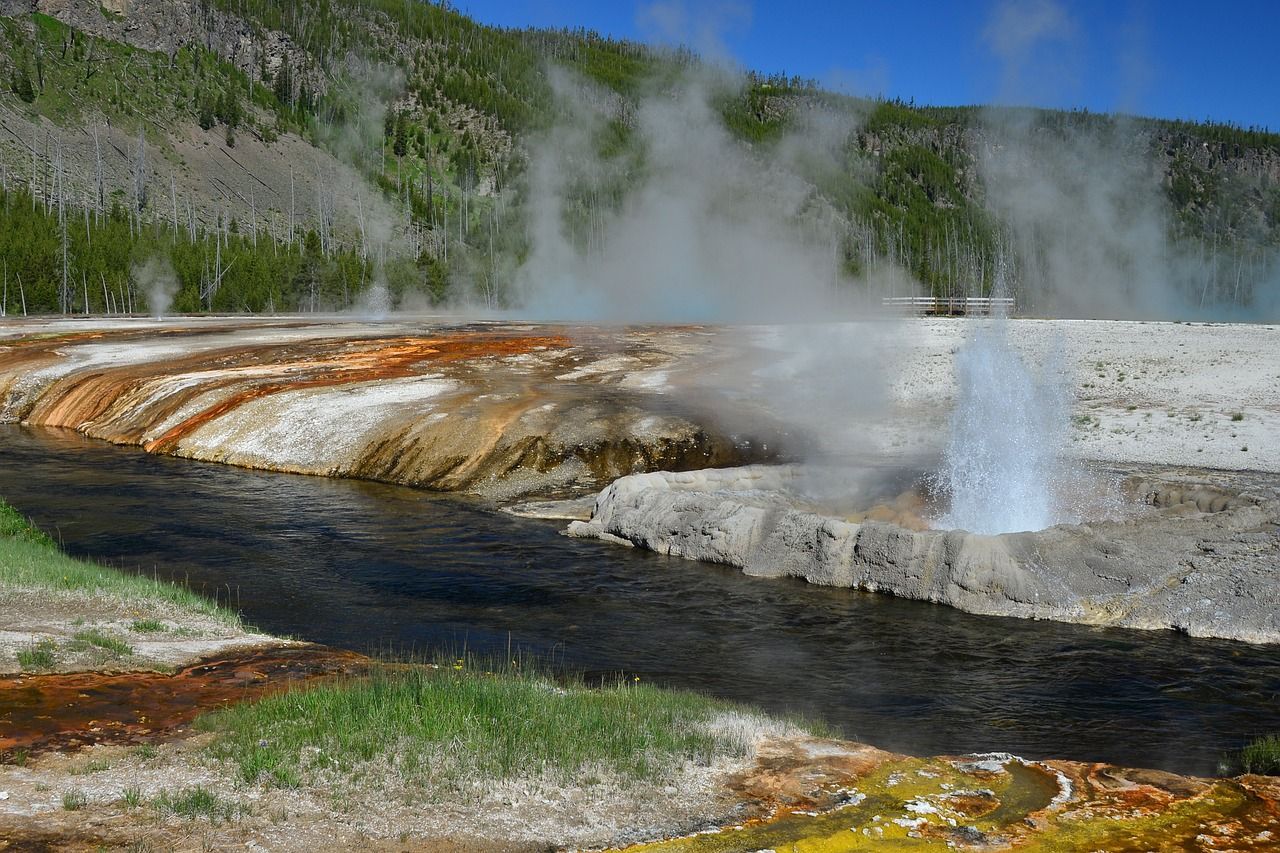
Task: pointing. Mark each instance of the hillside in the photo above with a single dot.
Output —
(280, 156)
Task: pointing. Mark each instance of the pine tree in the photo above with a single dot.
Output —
(22, 85)
(282, 86)
(401, 144)
(207, 111)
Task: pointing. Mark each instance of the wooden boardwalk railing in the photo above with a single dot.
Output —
(949, 306)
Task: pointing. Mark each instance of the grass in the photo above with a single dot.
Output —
(1237, 416)
(94, 766)
(98, 640)
(41, 655)
(442, 725)
(30, 559)
(147, 626)
(1261, 756)
(197, 802)
(74, 800)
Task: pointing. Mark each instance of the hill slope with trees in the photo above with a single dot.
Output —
(280, 156)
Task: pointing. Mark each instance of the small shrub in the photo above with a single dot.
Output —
(1237, 416)
(74, 800)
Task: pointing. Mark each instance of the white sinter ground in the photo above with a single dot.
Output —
(1203, 395)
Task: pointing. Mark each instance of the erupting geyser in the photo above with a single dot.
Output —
(1002, 468)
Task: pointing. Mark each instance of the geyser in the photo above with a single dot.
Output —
(1002, 468)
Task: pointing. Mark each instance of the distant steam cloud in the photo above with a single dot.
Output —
(158, 281)
(689, 226)
(1090, 222)
(1024, 36)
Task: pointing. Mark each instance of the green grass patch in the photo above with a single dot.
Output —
(442, 725)
(1262, 756)
(30, 559)
(74, 800)
(147, 626)
(197, 802)
(97, 765)
(98, 640)
(37, 656)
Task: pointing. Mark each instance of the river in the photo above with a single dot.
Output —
(395, 570)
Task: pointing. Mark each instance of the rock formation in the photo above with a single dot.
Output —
(1199, 558)
(501, 410)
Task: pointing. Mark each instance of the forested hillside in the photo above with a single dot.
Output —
(281, 156)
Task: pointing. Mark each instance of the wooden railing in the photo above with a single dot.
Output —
(950, 305)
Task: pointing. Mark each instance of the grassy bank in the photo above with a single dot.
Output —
(436, 728)
(440, 729)
(31, 561)
(60, 613)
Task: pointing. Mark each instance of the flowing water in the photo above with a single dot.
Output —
(373, 567)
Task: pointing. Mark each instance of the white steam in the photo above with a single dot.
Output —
(157, 280)
(706, 229)
(1003, 463)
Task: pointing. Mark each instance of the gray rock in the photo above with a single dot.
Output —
(1201, 559)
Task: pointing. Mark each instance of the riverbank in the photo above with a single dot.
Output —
(469, 754)
(1191, 551)
(60, 614)
(98, 748)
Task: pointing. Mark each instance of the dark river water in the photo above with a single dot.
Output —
(383, 568)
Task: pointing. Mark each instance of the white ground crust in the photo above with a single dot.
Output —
(1155, 393)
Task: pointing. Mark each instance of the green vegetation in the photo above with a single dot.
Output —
(197, 802)
(458, 722)
(29, 559)
(1260, 756)
(38, 656)
(439, 118)
(98, 640)
(147, 626)
(74, 800)
(107, 266)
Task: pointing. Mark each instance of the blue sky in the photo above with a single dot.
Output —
(1174, 59)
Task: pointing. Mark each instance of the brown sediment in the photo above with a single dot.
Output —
(43, 713)
(81, 398)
